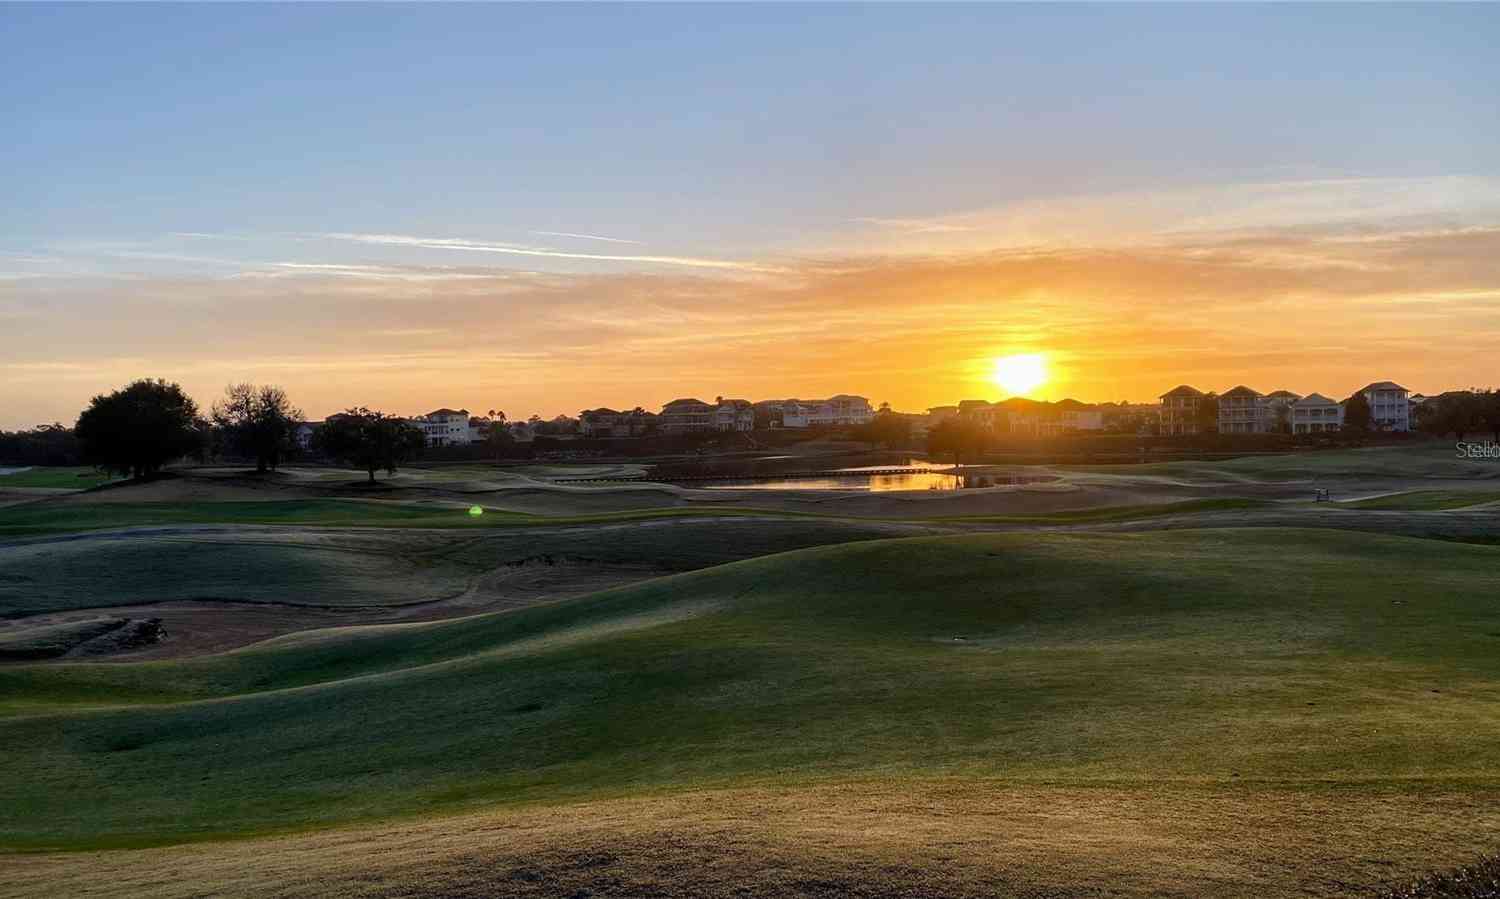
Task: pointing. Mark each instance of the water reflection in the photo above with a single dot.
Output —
(879, 483)
(853, 481)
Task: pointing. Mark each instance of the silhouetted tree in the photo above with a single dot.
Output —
(370, 441)
(1357, 414)
(499, 438)
(1207, 415)
(887, 429)
(257, 421)
(53, 444)
(962, 438)
(1489, 411)
(1281, 418)
(139, 428)
(1457, 412)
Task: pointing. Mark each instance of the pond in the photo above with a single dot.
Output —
(863, 478)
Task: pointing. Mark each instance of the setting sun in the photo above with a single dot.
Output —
(1021, 374)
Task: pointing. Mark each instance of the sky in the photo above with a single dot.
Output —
(541, 209)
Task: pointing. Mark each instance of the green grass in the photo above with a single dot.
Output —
(1315, 658)
(1417, 459)
(78, 477)
(1426, 500)
(36, 519)
(80, 574)
(1115, 513)
(376, 567)
(62, 518)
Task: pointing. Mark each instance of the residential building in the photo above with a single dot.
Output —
(1241, 411)
(733, 415)
(1179, 410)
(605, 422)
(991, 416)
(1075, 416)
(1390, 408)
(1278, 410)
(444, 427)
(687, 416)
(836, 411)
(1315, 414)
(303, 433)
(1130, 418)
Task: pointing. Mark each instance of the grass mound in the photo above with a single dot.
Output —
(53, 640)
(84, 574)
(1427, 500)
(1309, 660)
(76, 477)
(1417, 459)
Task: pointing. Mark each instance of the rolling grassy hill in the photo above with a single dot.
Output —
(1420, 458)
(75, 477)
(38, 519)
(1428, 500)
(1308, 661)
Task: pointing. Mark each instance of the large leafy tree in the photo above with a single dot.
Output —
(886, 428)
(371, 441)
(139, 428)
(961, 437)
(257, 421)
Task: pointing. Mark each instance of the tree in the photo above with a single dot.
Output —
(139, 428)
(259, 422)
(1489, 411)
(887, 428)
(1207, 414)
(1457, 412)
(963, 438)
(1357, 414)
(53, 444)
(1281, 417)
(368, 440)
(499, 438)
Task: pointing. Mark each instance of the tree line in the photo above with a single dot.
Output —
(137, 430)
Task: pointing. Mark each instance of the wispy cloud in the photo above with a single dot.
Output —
(436, 243)
(915, 226)
(370, 272)
(585, 236)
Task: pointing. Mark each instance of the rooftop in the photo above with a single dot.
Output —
(1182, 390)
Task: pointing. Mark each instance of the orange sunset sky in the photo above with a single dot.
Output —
(873, 200)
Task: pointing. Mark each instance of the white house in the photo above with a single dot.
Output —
(445, 427)
(836, 411)
(1315, 414)
(303, 433)
(734, 415)
(1390, 408)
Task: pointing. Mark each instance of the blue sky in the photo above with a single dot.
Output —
(207, 141)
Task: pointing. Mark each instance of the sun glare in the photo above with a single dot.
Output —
(1021, 374)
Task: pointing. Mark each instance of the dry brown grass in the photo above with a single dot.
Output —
(913, 839)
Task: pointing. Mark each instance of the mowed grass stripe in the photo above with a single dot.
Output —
(1323, 659)
(76, 477)
(41, 519)
(1427, 500)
